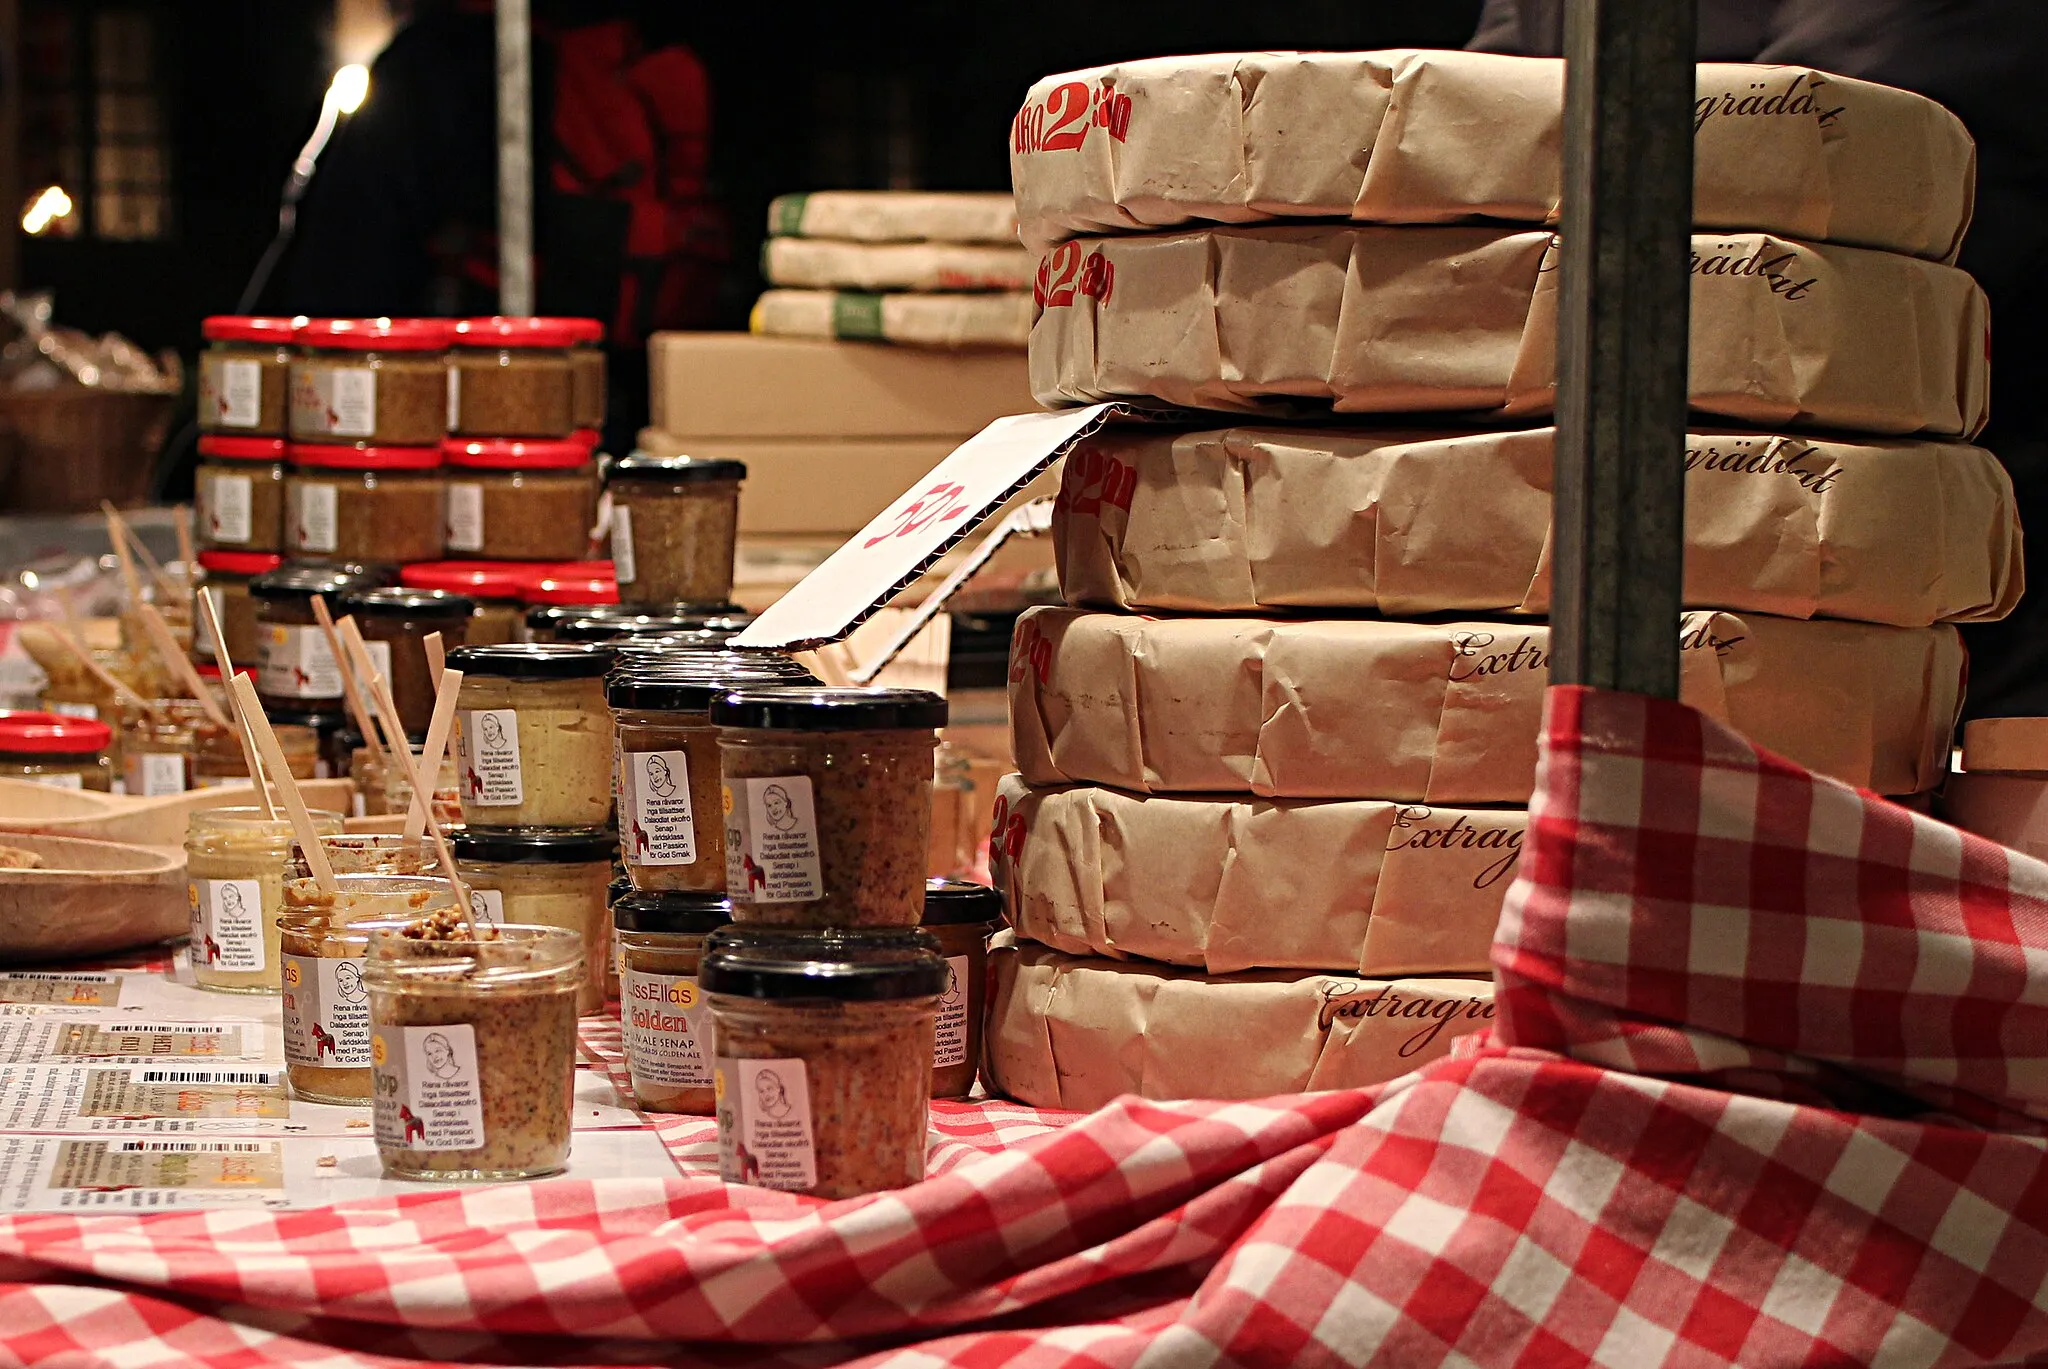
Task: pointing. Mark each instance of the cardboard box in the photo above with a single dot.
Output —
(813, 486)
(741, 385)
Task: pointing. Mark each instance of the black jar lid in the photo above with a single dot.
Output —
(671, 912)
(829, 709)
(688, 685)
(533, 660)
(535, 845)
(686, 641)
(676, 469)
(410, 603)
(778, 964)
(548, 617)
(303, 582)
(951, 902)
(651, 622)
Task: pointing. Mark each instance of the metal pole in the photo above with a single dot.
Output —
(515, 158)
(1621, 403)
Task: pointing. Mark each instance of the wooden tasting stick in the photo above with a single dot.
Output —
(180, 665)
(181, 521)
(412, 777)
(209, 622)
(349, 690)
(433, 753)
(437, 655)
(116, 534)
(83, 655)
(294, 801)
(119, 528)
(357, 662)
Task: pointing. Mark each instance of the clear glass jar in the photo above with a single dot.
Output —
(244, 380)
(520, 499)
(828, 803)
(238, 493)
(322, 941)
(493, 586)
(296, 670)
(511, 377)
(382, 789)
(157, 746)
(533, 736)
(671, 822)
(961, 917)
(546, 879)
(235, 872)
(363, 504)
(823, 1050)
(382, 382)
(228, 574)
(666, 1021)
(371, 853)
(72, 691)
(401, 620)
(473, 1052)
(587, 380)
(675, 523)
(55, 749)
(217, 754)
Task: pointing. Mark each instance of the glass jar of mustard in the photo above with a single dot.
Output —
(371, 853)
(494, 587)
(961, 917)
(587, 380)
(57, 750)
(382, 790)
(828, 803)
(157, 746)
(511, 377)
(675, 523)
(295, 668)
(533, 735)
(666, 1021)
(401, 620)
(377, 381)
(238, 493)
(244, 381)
(363, 504)
(822, 1056)
(547, 879)
(671, 822)
(228, 574)
(217, 754)
(473, 1049)
(235, 871)
(523, 499)
(566, 589)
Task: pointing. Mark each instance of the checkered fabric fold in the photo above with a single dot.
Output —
(1766, 1091)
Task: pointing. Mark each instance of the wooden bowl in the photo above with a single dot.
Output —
(91, 898)
(29, 807)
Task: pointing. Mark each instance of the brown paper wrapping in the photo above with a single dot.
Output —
(1229, 884)
(825, 264)
(1389, 320)
(921, 320)
(1244, 519)
(1441, 712)
(896, 216)
(1072, 1032)
(1432, 137)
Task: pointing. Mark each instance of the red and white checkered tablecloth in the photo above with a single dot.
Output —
(1768, 1087)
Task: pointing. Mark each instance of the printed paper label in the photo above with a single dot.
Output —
(487, 905)
(949, 1041)
(771, 841)
(78, 988)
(97, 1167)
(465, 512)
(72, 710)
(298, 665)
(233, 390)
(153, 773)
(326, 1012)
(454, 399)
(224, 502)
(660, 828)
(338, 401)
(623, 570)
(764, 1124)
(426, 1094)
(668, 1029)
(312, 515)
(127, 1040)
(227, 923)
(133, 1094)
(487, 744)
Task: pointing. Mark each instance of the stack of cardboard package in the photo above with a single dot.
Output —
(1275, 754)
(931, 269)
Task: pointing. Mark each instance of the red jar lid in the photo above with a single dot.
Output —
(52, 734)
(589, 437)
(207, 670)
(373, 334)
(572, 582)
(240, 562)
(244, 328)
(586, 330)
(363, 458)
(516, 332)
(479, 579)
(242, 448)
(516, 453)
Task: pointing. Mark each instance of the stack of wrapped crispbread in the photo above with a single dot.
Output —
(1275, 755)
(931, 269)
